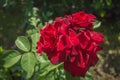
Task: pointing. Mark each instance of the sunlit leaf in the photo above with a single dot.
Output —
(35, 38)
(97, 24)
(1, 49)
(11, 57)
(28, 63)
(23, 43)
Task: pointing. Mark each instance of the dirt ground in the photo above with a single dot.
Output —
(108, 67)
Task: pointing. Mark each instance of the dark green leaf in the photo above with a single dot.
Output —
(88, 77)
(108, 2)
(69, 77)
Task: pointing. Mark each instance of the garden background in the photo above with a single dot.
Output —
(25, 17)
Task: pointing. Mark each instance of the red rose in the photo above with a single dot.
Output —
(81, 19)
(54, 40)
(83, 55)
(71, 40)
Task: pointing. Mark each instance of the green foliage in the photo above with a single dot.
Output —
(28, 63)
(11, 57)
(34, 38)
(69, 77)
(1, 49)
(97, 24)
(88, 77)
(23, 43)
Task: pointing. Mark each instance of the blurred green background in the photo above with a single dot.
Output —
(15, 16)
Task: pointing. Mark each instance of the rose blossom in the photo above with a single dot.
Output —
(71, 40)
(54, 40)
(83, 55)
(81, 19)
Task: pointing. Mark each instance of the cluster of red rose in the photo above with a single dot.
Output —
(71, 40)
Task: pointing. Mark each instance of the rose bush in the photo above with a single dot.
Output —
(71, 40)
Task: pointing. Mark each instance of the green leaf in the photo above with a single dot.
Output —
(48, 68)
(35, 38)
(49, 71)
(60, 74)
(69, 77)
(102, 13)
(1, 49)
(44, 67)
(88, 77)
(42, 58)
(23, 43)
(49, 76)
(31, 32)
(11, 57)
(97, 24)
(108, 2)
(28, 63)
